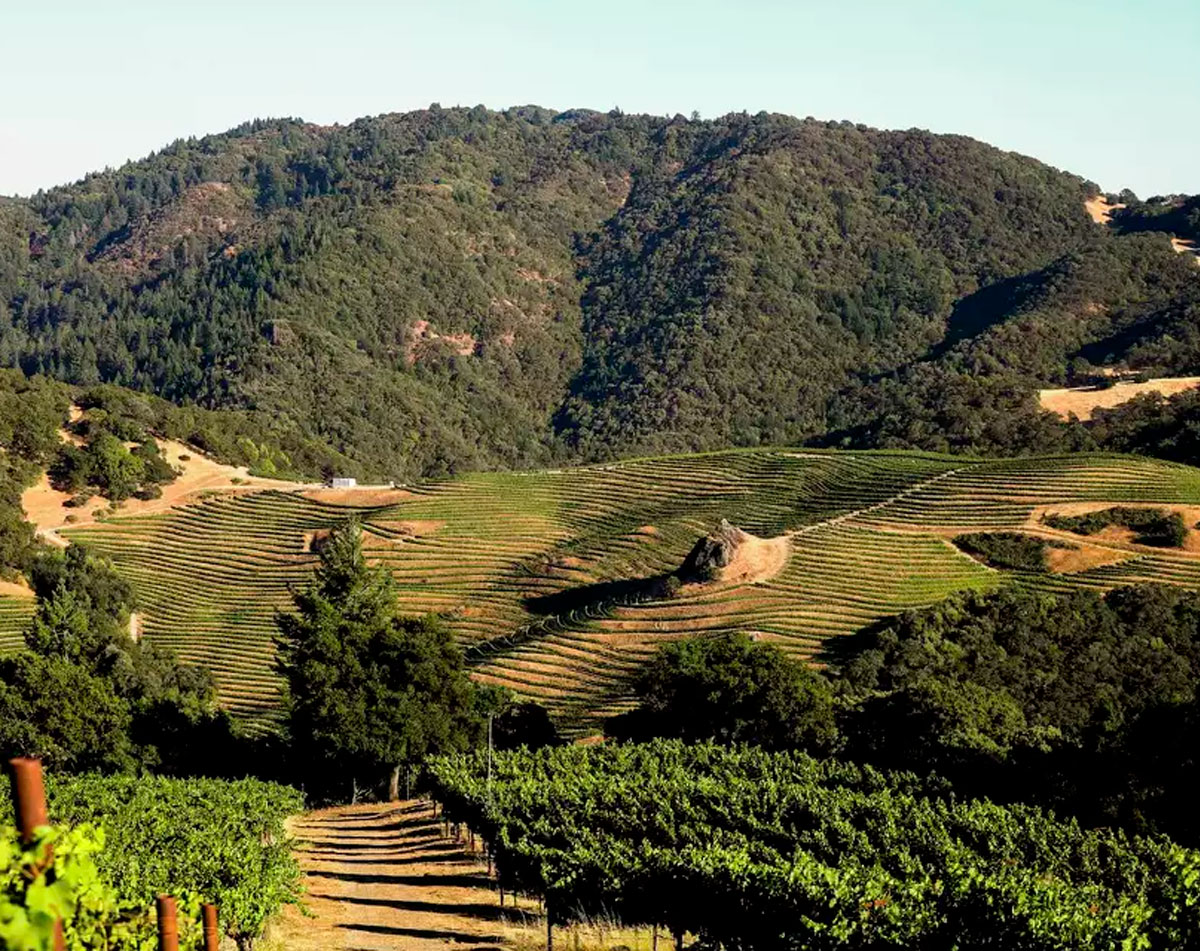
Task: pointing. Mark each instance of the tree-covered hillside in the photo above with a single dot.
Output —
(456, 289)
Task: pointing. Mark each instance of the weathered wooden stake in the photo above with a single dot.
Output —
(29, 808)
(654, 938)
(549, 930)
(168, 926)
(212, 938)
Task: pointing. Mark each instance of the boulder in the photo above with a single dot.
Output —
(713, 552)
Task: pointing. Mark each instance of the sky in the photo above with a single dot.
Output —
(1108, 89)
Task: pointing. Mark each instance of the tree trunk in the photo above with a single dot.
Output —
(394, 785)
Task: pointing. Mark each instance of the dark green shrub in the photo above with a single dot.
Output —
(1013, 550)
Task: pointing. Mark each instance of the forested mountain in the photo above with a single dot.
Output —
(452, 289)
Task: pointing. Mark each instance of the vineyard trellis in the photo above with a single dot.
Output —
(110, 858)
(753, 850)
(869, 538)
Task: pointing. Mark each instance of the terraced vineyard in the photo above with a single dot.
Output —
(867, 537)
(15, 615)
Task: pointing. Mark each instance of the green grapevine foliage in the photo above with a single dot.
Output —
(200, 840)
(756, 850)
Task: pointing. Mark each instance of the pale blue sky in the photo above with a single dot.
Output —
(1109, 89)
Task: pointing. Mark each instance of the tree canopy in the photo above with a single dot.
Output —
(450, 289)
(367, 692)
(85, 696)
(729, 689)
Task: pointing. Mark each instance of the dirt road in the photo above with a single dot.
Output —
(383, 877)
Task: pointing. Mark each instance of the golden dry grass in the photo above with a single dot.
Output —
(1069, 561)
(1081, 402)
(1116, 535)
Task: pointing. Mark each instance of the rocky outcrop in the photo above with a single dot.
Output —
(713, 552)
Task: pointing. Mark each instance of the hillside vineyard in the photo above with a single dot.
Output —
(519, 563)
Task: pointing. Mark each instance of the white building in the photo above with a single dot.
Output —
(343, 483)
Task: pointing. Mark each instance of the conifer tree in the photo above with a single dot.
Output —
(367, 692)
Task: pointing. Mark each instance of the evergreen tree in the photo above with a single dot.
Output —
(367, 692)
(86, 696)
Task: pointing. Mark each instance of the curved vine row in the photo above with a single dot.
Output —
(754, 850)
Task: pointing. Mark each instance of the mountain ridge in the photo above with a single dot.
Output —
(412, 295)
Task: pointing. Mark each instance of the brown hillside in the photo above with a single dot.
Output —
(1082, 401)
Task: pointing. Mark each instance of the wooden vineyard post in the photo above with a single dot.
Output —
(29, 808)
(168, 926)
(212, 939)
(549, 929)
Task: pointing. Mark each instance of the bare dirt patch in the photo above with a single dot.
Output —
(1082, 401)
(757, 559)
(1069, 561)
(364, 495)
(1187, 247)
(536, 276)
(421, 335)
(1100, 210)
(46, 507)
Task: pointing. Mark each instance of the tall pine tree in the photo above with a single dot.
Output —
(367, 692)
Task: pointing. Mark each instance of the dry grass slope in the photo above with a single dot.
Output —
(1082, 401)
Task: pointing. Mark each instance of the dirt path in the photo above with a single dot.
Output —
(383, 877)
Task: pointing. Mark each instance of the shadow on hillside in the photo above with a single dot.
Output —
(838, 651)
(990, 305)
(624, 591)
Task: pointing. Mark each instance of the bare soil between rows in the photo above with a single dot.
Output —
(384, 876)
